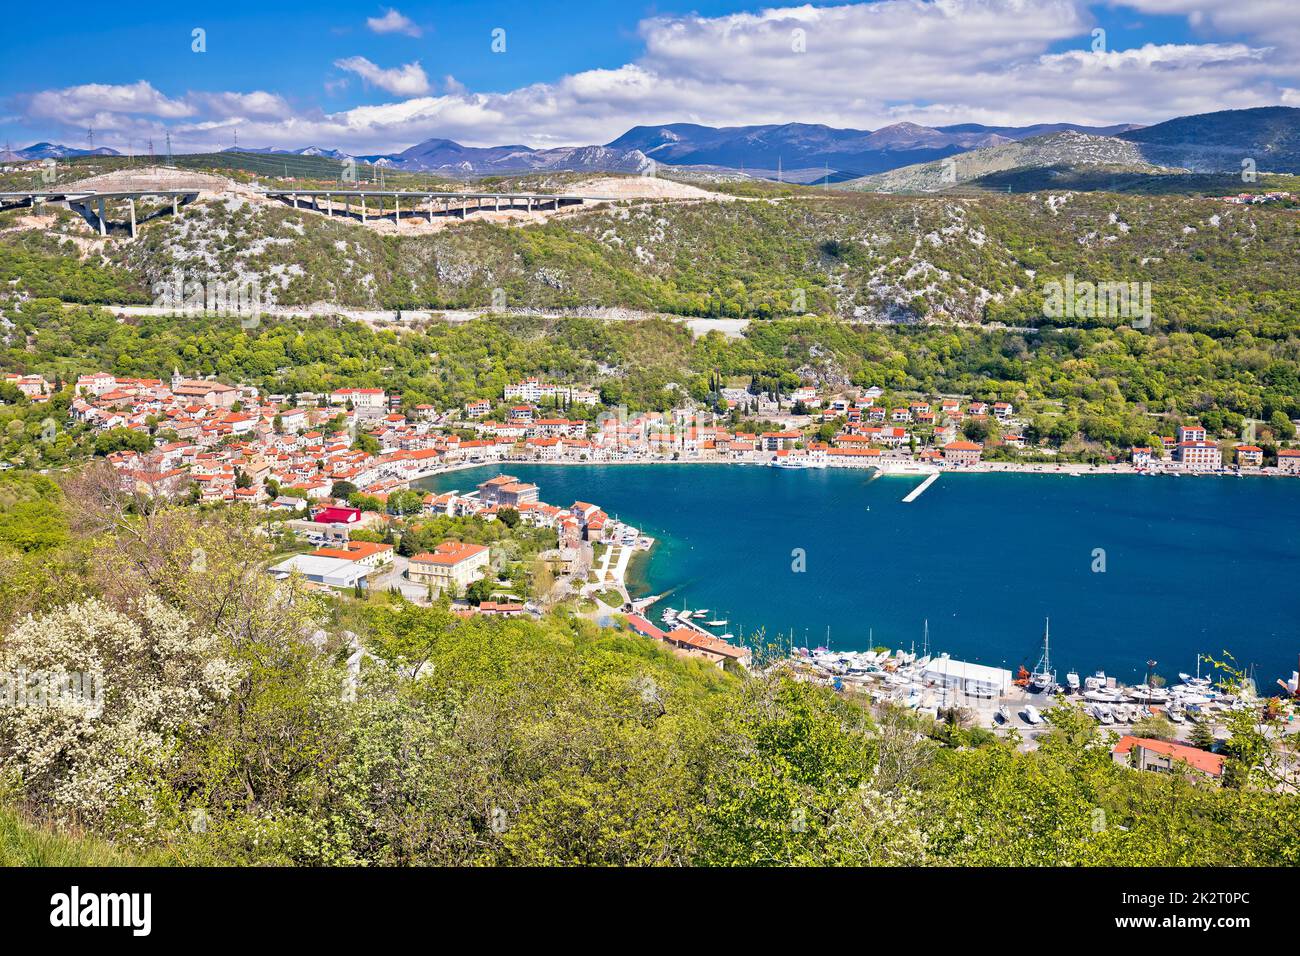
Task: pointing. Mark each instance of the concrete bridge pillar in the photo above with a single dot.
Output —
(329, 205)
(131, 201)
(497, 200)
(176, 206)
(295, 200)
(103, 229)
(430, 198)
(363, 209)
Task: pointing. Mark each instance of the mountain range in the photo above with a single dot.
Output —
(902, 156)
(797, 152)
(1265, 139)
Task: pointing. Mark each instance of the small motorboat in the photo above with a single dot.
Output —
(1072, 682)
(1003, 715)
(1032, 715)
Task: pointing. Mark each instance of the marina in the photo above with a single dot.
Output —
(932, 685)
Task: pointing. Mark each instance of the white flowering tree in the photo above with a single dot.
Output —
(148, 679)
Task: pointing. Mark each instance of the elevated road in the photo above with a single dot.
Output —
(362, 204)
(368, 204)
(90, 203)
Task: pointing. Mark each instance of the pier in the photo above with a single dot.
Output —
(919, 489)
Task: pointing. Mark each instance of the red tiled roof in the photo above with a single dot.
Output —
(449, 553)
(1195, 758)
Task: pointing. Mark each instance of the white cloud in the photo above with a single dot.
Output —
(407, 80)
(393, 22)
(863, 65)
(74, 104)
(258, 103)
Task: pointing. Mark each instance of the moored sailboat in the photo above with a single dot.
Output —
(1042, 679)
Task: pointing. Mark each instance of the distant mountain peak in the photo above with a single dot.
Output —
(59, 151)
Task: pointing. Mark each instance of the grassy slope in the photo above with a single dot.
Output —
(23, 843)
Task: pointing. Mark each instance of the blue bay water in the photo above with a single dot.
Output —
(1192, 564)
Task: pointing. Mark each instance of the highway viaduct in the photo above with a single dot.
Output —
(372, 204)
(91, 204)
(364, 205)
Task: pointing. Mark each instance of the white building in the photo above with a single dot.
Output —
(975, 680)
(331, 572)
(371, 398)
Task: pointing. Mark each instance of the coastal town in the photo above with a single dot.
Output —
(339, 468)
(331, 464)
(231, 443)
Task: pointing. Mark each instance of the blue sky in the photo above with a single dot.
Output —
(372, 78)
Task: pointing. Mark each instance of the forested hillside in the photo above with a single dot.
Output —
(1212, 266)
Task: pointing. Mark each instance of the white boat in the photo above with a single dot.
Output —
(1032, 715)
(1096, 682)
(721, 623)
(1072, 682)
(1176, 715)
(1004, 714)
(1144, 694)
(1103, 696)
(1107, 715)
(1043, 678)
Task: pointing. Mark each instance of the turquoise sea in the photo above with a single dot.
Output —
(1191, 564)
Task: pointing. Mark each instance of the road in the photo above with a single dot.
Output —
(731, 328)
